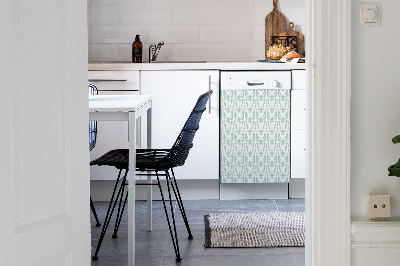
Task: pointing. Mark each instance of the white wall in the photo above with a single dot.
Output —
(193, 30)
(375, 120)
(375, 108)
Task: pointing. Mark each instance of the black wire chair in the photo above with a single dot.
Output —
(154, 160)
(92, 143)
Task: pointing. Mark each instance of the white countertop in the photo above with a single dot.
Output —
(196, 66)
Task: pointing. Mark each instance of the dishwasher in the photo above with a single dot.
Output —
(255, 126)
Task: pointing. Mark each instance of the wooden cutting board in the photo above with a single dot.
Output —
(292, 32)
(275, 23)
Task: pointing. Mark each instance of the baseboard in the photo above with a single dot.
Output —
(297, 188)
(101, 190)
(375, 242)
(254, 191)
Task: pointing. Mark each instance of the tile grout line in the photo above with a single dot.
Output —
(276, 205)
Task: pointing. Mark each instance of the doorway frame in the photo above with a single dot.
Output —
(328, 223)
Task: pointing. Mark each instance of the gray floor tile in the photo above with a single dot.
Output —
(155, 248)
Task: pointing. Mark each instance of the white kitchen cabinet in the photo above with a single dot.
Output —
(112, 134)
(298, 109)
(298, 125)
(298, 154)
(174, 96)
(298, 79)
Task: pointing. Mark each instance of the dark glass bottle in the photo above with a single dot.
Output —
(137, 50)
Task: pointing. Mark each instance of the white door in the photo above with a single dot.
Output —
(44, 172)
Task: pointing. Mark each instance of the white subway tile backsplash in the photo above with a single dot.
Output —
(294, 10)
(246, 17)
(199, 52)
(105, 16)
(115, 34)
(145, 17)
(245, 52)
(266, 5)
(173, 34)
(224, 34)
(172, 3)
(192, 30)
(199, 16)
(214, 3)
(239, 4)
(104, 52)
(258, 35)
(125, 52)
(226, 4)
(119, 3)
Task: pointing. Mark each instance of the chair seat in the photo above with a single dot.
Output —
(146, 159)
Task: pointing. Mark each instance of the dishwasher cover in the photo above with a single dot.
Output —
(255, 136)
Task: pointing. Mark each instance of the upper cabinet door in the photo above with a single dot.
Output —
(174, 96)
(44, 163)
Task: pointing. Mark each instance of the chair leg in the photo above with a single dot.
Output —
(109, 212)
(174, 185)
(174, 239)
(94, 213)
(120, 211)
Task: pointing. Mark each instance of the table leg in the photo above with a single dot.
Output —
(149, 178)
(132, 189)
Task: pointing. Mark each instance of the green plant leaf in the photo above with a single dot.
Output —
(396, 139)
(394, 170)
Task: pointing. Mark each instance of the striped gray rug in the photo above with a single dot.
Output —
(238, 230)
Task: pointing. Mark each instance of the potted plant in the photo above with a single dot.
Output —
(394, 170)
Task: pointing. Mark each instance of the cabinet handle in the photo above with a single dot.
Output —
(209, 99)
(100, 80)
(254, 83)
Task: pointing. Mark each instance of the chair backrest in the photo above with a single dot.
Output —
(180, 150)
(92, 124)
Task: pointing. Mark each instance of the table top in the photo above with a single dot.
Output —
(117, 103)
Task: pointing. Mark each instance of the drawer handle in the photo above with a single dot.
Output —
(209, 89)
(254, 83)
(100, 80)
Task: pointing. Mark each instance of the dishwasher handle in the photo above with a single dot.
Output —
(249, 83)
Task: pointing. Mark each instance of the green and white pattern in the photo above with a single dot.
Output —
(255, 136)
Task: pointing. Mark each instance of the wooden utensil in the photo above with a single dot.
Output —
(275, 23)
(299, 36)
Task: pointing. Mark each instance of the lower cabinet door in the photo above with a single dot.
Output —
(174, 96)
(298, 154)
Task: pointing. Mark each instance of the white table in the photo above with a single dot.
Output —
(127, 108)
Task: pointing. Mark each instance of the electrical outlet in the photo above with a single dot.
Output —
(378, 206)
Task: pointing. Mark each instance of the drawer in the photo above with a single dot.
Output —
(115, 80)
(298, 79)
(298, 109)
(298, 154)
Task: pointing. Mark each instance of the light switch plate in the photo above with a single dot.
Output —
(378, 206)
(369, 14)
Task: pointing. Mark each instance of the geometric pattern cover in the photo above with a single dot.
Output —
(240, 230)
(255, 136)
